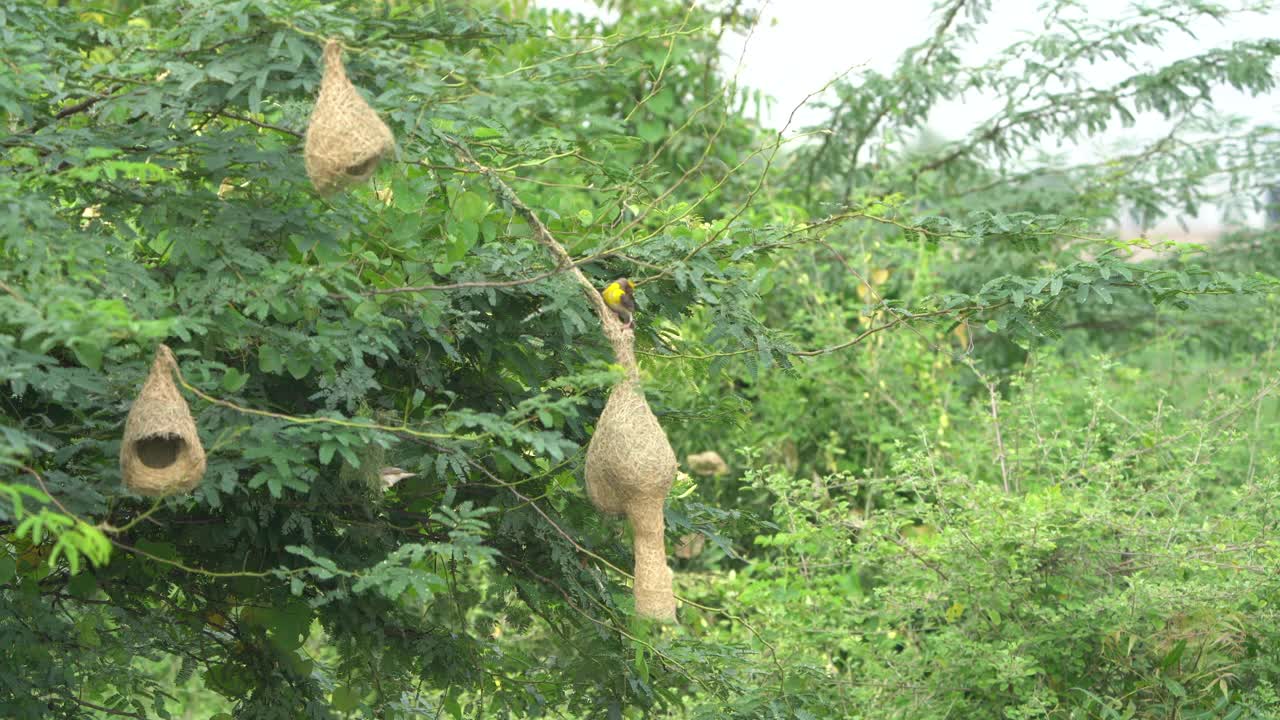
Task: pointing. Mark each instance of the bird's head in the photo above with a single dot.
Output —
(626, 285)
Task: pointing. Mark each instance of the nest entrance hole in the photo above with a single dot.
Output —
(159, 452)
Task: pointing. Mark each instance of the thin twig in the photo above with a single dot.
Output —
(316, 420)
(107, 527)
(569, 600)
(259, 123)
(107, 710)
(14, 293)
(199, 571)
(529, 501)
(993, 395)
(1216, 422)
(540, 231)
(901, 319)
(569, 538)
(50, 495)
(963, 312)
(911, 551)
(468, 284)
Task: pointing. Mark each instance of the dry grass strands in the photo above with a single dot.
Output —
(345, 139)
(630, 467)
(161, 453)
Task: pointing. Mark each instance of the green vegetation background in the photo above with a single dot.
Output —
(985, 458)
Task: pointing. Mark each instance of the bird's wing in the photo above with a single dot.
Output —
(629, 302)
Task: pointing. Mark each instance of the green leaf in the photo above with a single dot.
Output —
(269, 359)
(452, 705)
(641, 665)
(651, 132)
(458, 246)
(159, 548)
(470, 207)
(288, 625)
(89, 353)
(345, 698)
(233, 380)
(1174, 655)
(298, 366)
(1174, 687)
(82, 586)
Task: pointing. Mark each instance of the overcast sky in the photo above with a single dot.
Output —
(799, 45)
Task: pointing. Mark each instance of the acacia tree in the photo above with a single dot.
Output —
(154, 191)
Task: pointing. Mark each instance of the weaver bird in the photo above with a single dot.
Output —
(392, 475)
(621, 299)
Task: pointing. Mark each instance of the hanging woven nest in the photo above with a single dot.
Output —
(161, 453)
(707, 464)
(629, 470)
(630, 465)
(372, 457)
(345, 139)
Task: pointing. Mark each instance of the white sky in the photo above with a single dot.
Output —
(799, 45)
(816, 39)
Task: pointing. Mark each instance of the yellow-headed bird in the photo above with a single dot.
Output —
(621, 299)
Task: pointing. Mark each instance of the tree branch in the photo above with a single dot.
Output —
(101, 708)
(889, 101)
(564, 262)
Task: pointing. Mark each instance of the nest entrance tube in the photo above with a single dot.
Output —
(161, 453)
(345, 138)
(629, 470)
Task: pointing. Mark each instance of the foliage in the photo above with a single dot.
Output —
(1124, 577)
(954, 498)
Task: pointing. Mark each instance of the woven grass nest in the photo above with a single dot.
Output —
(161, 453)
(629, 470)
(345, 138)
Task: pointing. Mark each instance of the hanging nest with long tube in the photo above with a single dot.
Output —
(629, 470)
(161, 453)
(630, 465)
(345, 139)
